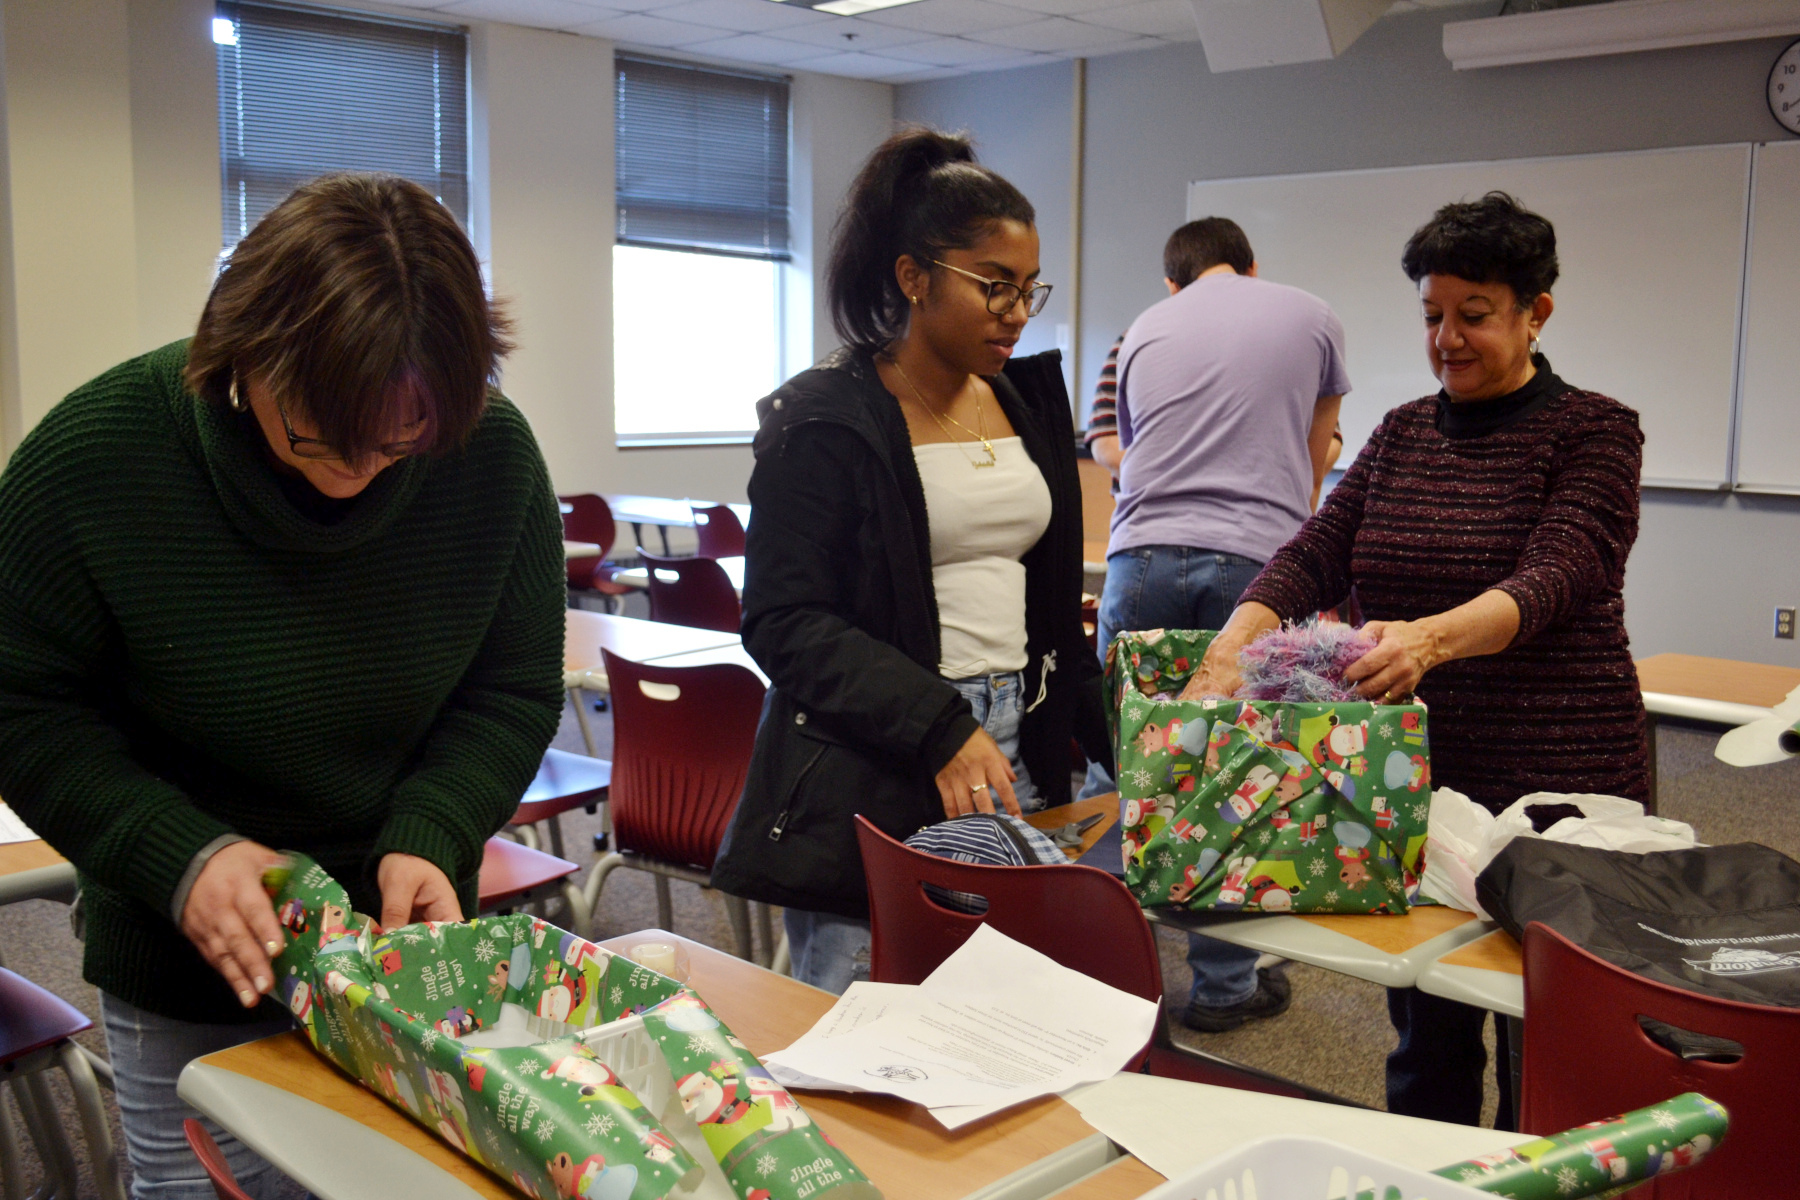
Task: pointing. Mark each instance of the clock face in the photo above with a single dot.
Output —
(1784, 88)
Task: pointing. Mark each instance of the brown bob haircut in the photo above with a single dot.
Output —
(358, 302)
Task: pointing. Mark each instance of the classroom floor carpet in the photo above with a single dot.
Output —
(1335, 1036)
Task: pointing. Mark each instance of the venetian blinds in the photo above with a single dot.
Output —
(303, 92)
(702, 159)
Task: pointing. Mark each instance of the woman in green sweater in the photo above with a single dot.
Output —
(294, 584)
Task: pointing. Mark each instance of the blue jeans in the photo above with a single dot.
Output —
(147, 1052)
(1179, 587)
(832, 952)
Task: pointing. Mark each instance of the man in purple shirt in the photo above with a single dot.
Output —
(1228, 395)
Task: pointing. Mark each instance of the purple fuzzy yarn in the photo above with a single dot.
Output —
(1302, 662)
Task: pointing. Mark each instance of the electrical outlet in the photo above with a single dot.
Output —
(1784, 623)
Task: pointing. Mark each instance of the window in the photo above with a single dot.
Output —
(303, 92)
(700, 253)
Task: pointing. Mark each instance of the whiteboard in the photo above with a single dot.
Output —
(1652, 252)
(1769, 385)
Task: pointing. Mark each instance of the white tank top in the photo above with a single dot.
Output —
(982, 522)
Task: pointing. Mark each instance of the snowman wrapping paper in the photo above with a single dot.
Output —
(406, 1013)
(1262, 806)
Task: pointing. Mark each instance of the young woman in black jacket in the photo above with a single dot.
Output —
(913, 585)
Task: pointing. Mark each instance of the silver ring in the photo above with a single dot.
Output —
(980, 787)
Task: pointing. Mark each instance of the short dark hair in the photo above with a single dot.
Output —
(355, 292)
(921, 193)
(1491, 240)
(1199, 246)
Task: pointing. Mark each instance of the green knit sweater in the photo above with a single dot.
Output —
(184, 654)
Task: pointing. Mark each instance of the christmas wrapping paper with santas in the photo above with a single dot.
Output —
(1602, 1158)
(1262, 805)
(392, 1010)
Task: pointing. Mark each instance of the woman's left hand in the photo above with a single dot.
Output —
(413, 889)
(1404, 651)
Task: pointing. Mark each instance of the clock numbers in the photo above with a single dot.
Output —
(1784, 88)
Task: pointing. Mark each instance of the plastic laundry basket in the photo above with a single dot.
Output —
(1308, 1168)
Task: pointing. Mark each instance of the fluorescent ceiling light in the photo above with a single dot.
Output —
(1619, 28)
(846, 8)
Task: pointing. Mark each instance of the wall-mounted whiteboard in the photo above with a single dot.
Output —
(1652, 250)
(1769, 384)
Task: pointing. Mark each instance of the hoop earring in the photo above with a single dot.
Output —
(237, 405)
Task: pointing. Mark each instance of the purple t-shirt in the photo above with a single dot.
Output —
(1217, 386)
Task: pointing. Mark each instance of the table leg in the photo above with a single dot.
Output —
(578, 697)
(1650, 723)
(663, 532)
(1509, 1058)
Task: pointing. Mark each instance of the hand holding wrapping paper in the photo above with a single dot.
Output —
(406, 1012)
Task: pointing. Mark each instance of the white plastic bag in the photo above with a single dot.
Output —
(1464, 837)
(1769, 740)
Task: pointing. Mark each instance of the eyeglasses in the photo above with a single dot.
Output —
(306, 447)
(1001, 295)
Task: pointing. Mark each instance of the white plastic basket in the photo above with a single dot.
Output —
(1308, 1168)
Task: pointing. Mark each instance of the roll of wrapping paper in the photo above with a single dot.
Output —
(1603, 1158)
(764, 1142)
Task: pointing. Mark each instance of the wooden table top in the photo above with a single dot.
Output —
(1495, 952)
(584, 633)
(28, 856)
(1717, 679)
(897, 1144)
(1125, 1179)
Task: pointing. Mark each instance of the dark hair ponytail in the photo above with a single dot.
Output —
(920, 193)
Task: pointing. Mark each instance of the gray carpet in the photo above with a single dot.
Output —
(1335, 1036)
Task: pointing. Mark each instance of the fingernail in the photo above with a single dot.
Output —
(262, 985)
(247, 999)
(272, 947)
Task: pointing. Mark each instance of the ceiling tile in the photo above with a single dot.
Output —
(744, 16)
(943, 52)
(926, 75)
(755, 48)
(647, 30)
(643, 5)
(1060, 8)
(949, 16)
(861, 66)
(1171, 20)
(543, 14)
(868, 35)
(1053, 34)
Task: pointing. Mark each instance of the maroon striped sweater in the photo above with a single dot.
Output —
(1545, 509)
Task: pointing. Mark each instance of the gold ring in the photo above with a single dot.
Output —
(979, 787)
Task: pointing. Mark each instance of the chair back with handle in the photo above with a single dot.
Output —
(692, 591)
(1589, 1056)
(718, 532)
(589, 519)
(682, 738)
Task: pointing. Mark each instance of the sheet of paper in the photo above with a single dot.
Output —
(995, 1024)
(861, 1003)
(11, 828)
(1173, 1126)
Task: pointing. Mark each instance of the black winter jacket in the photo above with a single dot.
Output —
(839, 611)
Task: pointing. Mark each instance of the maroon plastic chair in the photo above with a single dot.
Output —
(718, 532)
(590, 519)
(1081, 917)
(513, 875)
(212, 1161)
(692, 591)
(681, 748)
(1588, 1057)
(563, 782)
(36, 1032)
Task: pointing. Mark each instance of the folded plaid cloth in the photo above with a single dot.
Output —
(985, 839)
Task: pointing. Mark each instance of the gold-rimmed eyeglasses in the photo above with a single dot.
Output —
(1002, 296)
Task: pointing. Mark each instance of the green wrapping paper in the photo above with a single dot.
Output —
(1262, 805)
(1602, 1158)
(403, 1012)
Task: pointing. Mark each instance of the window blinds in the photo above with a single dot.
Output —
(702, 159)
(303, 92)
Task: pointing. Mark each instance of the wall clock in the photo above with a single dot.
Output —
(1784, 88)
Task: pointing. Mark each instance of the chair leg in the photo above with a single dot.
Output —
(665, 908)
(525, 835)
(737, 910)
(586, 902)
(556, 838)
(578, 696)
(765, 928)
(93, 1121)
(12, 1173)
(53, 1147)
(782, 961)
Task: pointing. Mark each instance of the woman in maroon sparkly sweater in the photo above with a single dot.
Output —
(1484, 532)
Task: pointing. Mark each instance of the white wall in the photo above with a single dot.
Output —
(109, 215)
(1707, 569)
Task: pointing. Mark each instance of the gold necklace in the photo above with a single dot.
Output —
(980, 419)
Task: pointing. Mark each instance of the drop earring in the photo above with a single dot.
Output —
(237, 405)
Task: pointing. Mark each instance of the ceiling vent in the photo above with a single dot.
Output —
(1584, 31)
(1240, 34)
